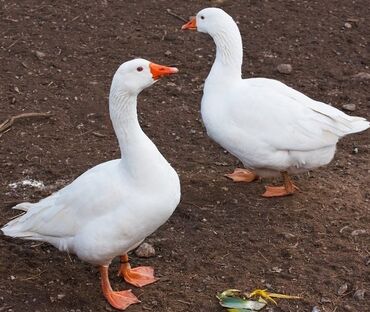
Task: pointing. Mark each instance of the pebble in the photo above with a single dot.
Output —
(40, 55)
(358, 232)
(168, 53)
(315, 309)
(348, 308)
(276, 270)
(145, 250)
(60, 296)
(359, 294)
(367, 259)
(349, 107)
(342, 289)
(362, 75)
(348, 25)
(284, 68)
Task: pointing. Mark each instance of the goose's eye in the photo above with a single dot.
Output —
(139, 69)
(202, 17)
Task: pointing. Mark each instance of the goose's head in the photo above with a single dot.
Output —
(136, 75)
(209, 21)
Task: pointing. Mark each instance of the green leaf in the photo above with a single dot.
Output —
(240, 310)
(239, 303)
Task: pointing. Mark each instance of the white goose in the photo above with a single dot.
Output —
(269, 126)
(112, 207)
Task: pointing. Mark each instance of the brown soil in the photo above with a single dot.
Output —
(222, 235)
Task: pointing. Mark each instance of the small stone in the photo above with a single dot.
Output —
(168, 53)
(276, 270)
(40, 55)
(348, 308)
(12, 277)
(348, 25)
(367, 258)
(358, 232)
(145, 250)
(325, 300)
(315, 309)
(342, 289)
(268, 286)
(284, 68)
(359, 294)
(355, 150)
(288, 235)
(60, 296)
(362, 75)
(219, 2)
(349, 107)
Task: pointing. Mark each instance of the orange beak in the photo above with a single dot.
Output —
(191, 25)
(159, 71)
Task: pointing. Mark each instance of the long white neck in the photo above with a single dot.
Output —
(136, 148)
(229, 52)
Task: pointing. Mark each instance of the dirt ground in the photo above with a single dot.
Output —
(59, 57)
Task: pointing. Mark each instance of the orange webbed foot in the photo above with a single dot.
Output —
(139, 276)
(278, 191)
(242, 175)
(121, 299)
(118, 299)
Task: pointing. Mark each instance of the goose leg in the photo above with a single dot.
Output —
(277, 191)
(139, 277)
(242, 175)
(118, 299)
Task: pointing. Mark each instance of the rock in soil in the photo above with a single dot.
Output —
(284, 68)
(358, 232)
(349, 107)
(145, 250)
(362, 75)
(40, 55)
(342, 289)
(359, 294)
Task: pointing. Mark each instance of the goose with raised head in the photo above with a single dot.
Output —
(271, 128)
(111, 208)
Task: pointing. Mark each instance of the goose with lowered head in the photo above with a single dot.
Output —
(272, 128)
(112, 207)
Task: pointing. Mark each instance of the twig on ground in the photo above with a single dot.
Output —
(261, 254)
(10, 121)
(14, 42)
(99, 135)
(32, 277)
(177, 16)
(185, 302)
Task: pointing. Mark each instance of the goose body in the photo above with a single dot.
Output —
(112, 207)
(268, 125)
(105, 212)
